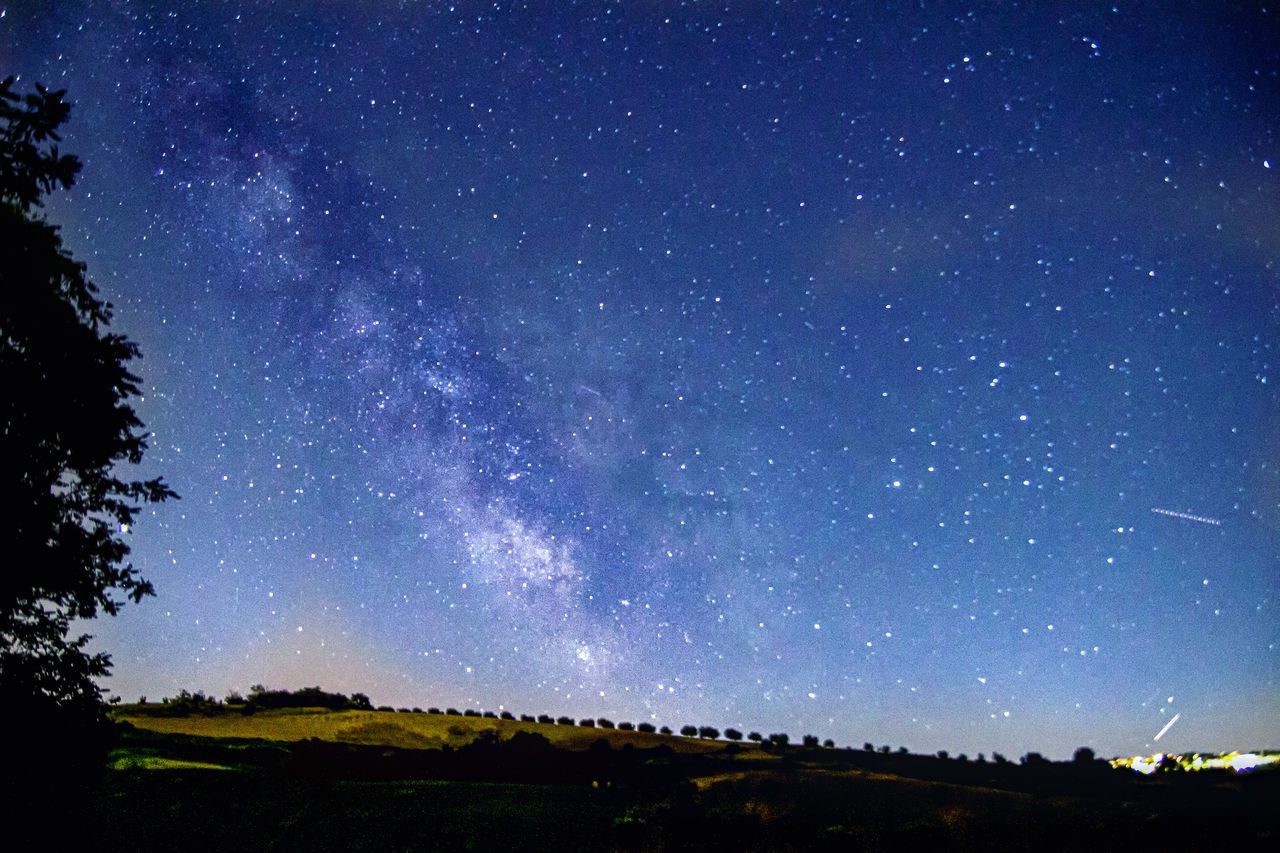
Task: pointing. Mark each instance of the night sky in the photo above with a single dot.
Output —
(894, 372)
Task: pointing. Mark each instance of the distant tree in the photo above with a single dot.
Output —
(387, 708)
(689, 731)
(403, 711)
(68, 435)
(829, 743)
(490, 715)
(417, 710)
(779, 739)
(507, 715)
(755, 736)
(885, 749)
(603, 723)
(902, 750)
(869, 747)
(998, 758)
(647, 728)
(527, 718)
(809, 740)
(733, 734)
(545, 718)
(1032, 759)
(942, 753)
(433, 710)
(665, 730)
(453, 712)
(588, 723)
(626, 727)
(564, 721)
(234, 698)
(1084, 755)
(982, 759)
(708, 732)
(470, 712)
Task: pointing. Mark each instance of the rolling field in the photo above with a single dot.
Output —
(389, 728)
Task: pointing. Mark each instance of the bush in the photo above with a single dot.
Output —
(386, 708)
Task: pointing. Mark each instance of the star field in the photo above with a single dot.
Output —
(870, 373)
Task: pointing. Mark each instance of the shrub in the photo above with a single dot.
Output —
(386, 708)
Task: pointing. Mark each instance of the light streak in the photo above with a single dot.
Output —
(1188, 516)
(1167, 726)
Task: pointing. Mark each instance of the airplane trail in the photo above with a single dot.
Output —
(1188, 516)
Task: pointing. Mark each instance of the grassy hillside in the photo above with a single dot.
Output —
(386, 728)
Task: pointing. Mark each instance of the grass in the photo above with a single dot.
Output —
(388, 728)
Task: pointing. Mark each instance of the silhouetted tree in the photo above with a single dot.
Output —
(564, 721)
(829, 743)
(626, 727)
(942, 753)
(545, 718)
(587, 723)
(708, 732)
(666, 730)
(1084, 755)
(755, 736)
(689, 731)
(645, 727)
(67, 437)
(869, 747)
(603, 723)
(779, 739)
(809, 740)
(733, 734)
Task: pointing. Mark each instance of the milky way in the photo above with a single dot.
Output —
(775, 369)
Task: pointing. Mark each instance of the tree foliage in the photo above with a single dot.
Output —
(68, 432)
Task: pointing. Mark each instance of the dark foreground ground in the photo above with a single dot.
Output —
(314, 797)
